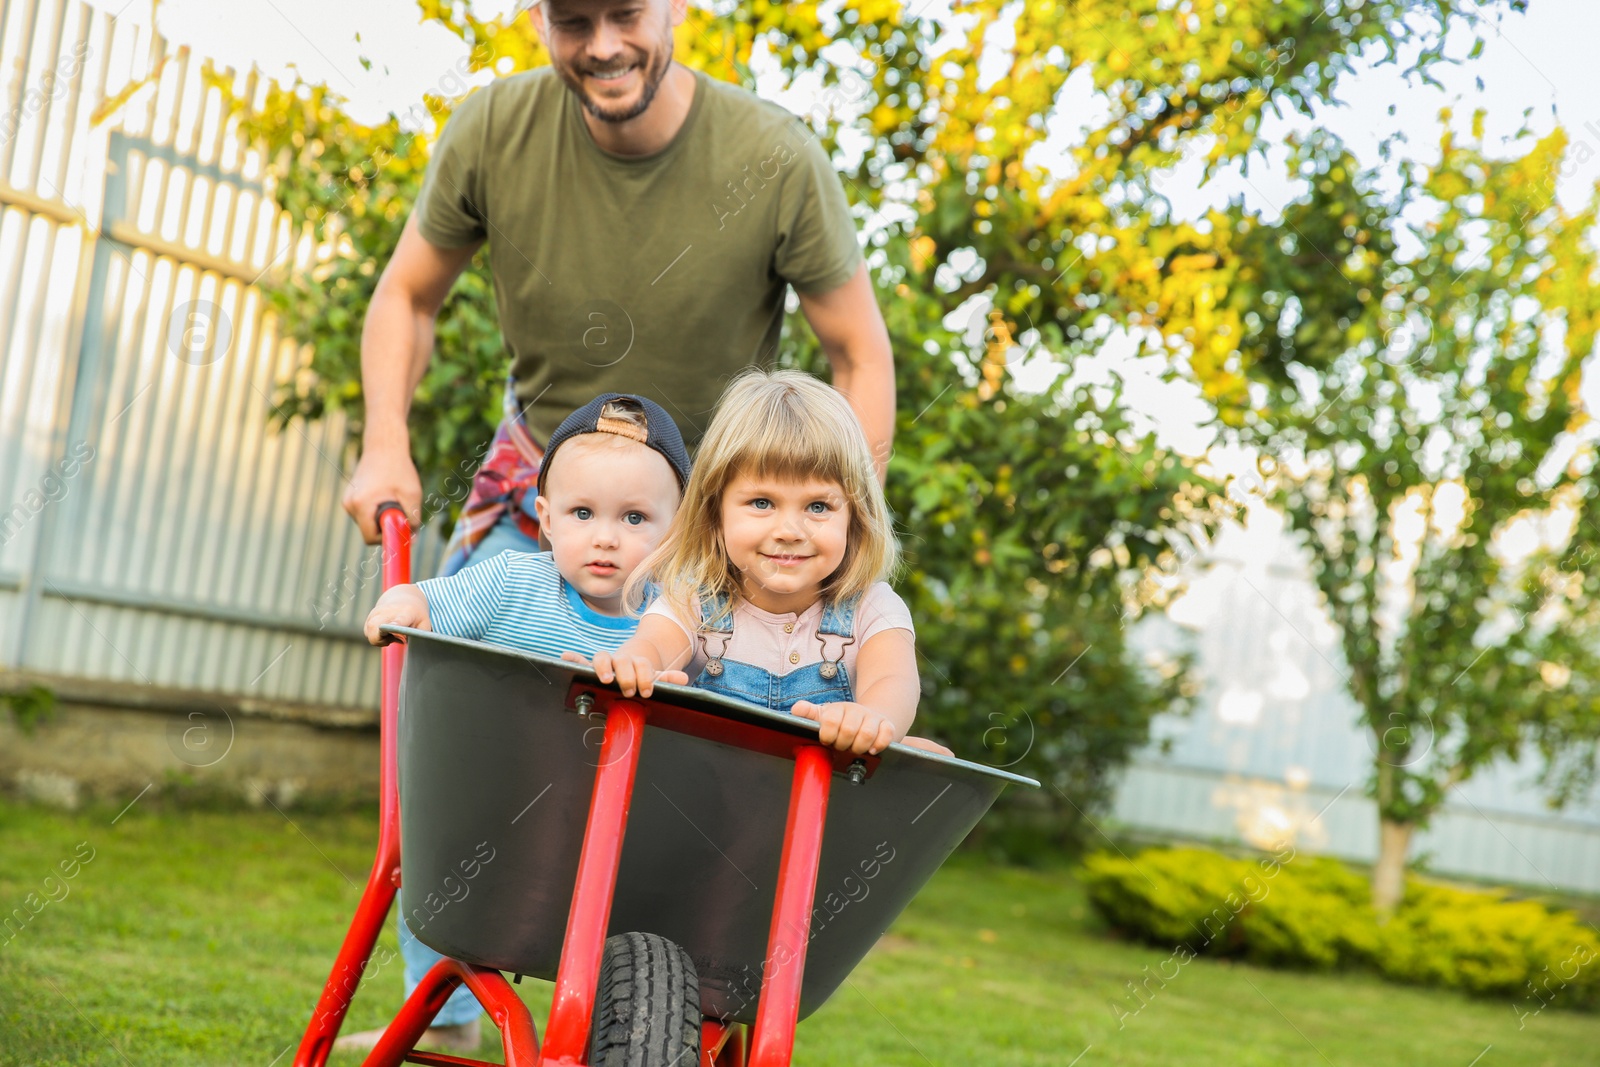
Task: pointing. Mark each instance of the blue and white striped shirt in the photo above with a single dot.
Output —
(518, 600)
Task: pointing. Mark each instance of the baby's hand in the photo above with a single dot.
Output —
(848, 726)
(671, 677)
(404, 605)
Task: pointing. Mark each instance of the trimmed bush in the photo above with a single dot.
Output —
(1288, 910)
(1486, 944)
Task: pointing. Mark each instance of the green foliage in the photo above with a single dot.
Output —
(1424, 402)
(1317, 915)
(1488, 945)
(1035, 520)
(30, 706)
(1304, 912)
(1284, 910)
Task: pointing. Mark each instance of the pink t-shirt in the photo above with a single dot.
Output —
(782, 643)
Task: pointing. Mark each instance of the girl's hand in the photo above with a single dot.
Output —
(926, 744)
(848, 726)
(670, 677)
(404, 605)
(633, 674)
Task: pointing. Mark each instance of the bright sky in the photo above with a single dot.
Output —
(1542, 60)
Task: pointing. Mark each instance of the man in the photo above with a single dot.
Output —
(644, 224)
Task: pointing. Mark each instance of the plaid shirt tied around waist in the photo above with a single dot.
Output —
(509, 471)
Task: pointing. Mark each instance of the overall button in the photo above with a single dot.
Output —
(788, 627)
(794, 657)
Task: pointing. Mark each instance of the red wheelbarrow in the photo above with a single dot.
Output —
(629, 850)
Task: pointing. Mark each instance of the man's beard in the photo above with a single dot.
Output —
(654, 72)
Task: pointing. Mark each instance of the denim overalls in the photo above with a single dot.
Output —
(820, 683)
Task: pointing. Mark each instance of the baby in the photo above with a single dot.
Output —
(611, 479)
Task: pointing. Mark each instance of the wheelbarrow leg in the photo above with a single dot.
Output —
(517, 1034)
(347, 969)
(351, 962)
(578, 975)
(772, 1041)
(721, 1044)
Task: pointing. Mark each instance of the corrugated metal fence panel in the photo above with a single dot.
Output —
(43, 247)
(195, 547)
(1275, 740)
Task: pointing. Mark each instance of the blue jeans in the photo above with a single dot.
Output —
(462, 1007)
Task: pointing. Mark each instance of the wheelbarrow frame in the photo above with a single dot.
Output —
(767, 1042)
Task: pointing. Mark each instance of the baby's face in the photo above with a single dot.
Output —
(607, 503)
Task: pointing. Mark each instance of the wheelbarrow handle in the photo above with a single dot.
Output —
(395, 535)
(388, 505)
(371, 914)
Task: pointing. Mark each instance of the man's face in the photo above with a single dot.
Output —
(612, 53)
(607, 503)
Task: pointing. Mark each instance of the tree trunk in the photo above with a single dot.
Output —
(1389, 876)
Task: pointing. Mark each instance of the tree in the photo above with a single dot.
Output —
(1438, 463)
(1036, 519)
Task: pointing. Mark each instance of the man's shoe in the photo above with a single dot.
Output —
(460, 1038)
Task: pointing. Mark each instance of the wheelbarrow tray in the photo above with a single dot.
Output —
(496, 771)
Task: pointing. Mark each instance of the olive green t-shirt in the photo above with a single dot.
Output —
(660, 275)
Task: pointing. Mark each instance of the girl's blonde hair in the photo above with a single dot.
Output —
(783, 424)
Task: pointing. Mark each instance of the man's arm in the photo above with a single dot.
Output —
(850, 328)
(396, 343)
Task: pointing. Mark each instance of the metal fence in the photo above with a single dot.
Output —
(154, 529)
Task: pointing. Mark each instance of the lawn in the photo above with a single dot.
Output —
(204, 937)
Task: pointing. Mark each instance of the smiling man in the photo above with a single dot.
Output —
(644, 223)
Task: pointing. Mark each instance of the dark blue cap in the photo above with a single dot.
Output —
(625, 415)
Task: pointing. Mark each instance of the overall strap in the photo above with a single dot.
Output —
(839, 617)
(716, 613)
(838, 620)
(716, 621)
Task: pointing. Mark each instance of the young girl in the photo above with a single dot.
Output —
(771, 576)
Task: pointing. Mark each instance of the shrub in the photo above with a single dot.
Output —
(1486, 944)
(1293, 911)
(1220, 906)
(1318, 914)
(1172, 896)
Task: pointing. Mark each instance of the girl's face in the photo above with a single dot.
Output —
(785, 538)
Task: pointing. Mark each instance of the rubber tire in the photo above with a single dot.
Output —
(647, 1007)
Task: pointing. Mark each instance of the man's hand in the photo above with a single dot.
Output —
(849, 327)
(383, 474)
(848, 726)
(404, 605)
(396, 342)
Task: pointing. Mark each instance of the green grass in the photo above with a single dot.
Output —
(204, 938)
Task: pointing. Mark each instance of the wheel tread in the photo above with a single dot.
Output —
(647, 1006)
